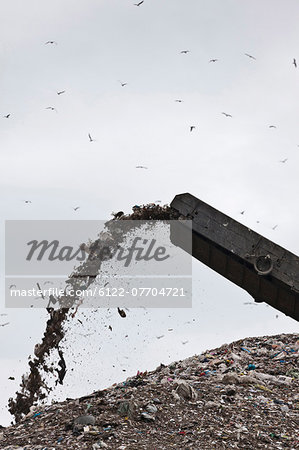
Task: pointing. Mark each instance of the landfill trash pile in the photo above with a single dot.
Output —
(243, 395)
(35, 385)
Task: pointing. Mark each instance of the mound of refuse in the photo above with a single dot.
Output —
(241, 395)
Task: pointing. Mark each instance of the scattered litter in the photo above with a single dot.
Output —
(175, 406)
(85, 420)
(152, 409)
(147, 417)
(121, 312)
(251, 367)
(185, 390)
(128, 409)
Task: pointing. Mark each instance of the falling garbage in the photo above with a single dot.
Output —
(35, 387)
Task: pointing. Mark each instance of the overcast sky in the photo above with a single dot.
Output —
(232, 163)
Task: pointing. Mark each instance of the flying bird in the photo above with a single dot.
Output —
(51, 42)
(249, 56)
(27, 201)
(192, 127)
(90, 138)
(60, 92)
(76, 209)
(284, 160)
(185, 52)
(272, 126)
(295, 63)
(12, 286)
(226, 115)
(141, 167)
(51, 108)
(11, 378)
(213, 60)
(160, 337)
(139, 3)
(274, 228)
(4, 324)
(7, 116)
(122, 84)
(178, 101)
(242, 212)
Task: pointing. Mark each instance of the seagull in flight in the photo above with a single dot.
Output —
(90, 138)
(272, 126)
(3, 324)
(242, 212)
(295, 63)
(76, 209)
(139, 3)
(141, 167)
(122, 84)
(185, 52)
(60, 92)
(179, 101)
(51, 42)
(7, 116)
(274, 228)
(226, 115)
(250, 56)
(284, 160)
(213, 60)
(192, 128)
(51, 108)
(27, 201)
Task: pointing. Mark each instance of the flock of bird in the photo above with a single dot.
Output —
(91, 139)
(123, 84)
(191, 128)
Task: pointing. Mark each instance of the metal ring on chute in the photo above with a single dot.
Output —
(263, 265)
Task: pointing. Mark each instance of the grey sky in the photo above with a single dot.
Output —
(231, 163)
